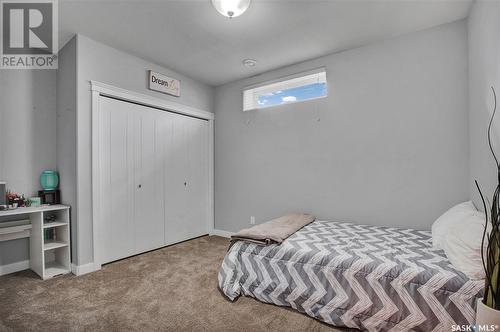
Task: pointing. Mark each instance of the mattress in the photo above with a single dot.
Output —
(365, 277)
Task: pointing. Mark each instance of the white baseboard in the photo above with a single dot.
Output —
(222, 233)
(14, 267)
(84, 269)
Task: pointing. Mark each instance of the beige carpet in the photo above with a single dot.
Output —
(174, 288)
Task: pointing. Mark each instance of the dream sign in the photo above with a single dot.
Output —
(161, 83)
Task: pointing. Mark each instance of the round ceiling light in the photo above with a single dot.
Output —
(249, 62)
(231, 8)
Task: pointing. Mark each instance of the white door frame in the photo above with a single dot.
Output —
(101, 89)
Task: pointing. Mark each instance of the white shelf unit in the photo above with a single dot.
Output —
(51, 244)
(55, 224)
(50, 257)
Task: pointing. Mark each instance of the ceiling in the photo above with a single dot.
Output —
(191, 37)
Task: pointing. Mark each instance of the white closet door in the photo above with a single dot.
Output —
(175, 175)
(197, 177)
(186, 186)
(149, 211)
(115, 231)
(153, 179)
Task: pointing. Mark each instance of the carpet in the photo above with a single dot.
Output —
(169, 289)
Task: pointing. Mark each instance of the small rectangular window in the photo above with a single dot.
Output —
(290, 89)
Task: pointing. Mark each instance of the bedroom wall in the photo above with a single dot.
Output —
(27, 139)
(96, 61)
(66, 132)
(388, 146)
(484, 72)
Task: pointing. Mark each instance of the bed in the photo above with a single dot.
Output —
(365, 277)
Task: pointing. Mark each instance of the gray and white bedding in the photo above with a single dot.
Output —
(366, 277)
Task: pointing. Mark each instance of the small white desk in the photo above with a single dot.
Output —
(48, 258)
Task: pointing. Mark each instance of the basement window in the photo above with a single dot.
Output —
(287, 90)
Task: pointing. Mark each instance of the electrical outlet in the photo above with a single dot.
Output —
(252, 220)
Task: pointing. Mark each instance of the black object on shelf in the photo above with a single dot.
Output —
(49, 234)
(49, 218)
(50, 197)
(3, 197)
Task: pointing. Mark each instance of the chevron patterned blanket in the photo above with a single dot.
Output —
(365, 277)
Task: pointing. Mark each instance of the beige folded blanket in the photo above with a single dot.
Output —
(274, 231)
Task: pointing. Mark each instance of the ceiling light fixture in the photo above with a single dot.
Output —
(249, 62)
(231, 8)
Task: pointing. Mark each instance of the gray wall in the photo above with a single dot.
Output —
(27, 138)
(39, 131)
(66, 132)
(96, 61)
(389, 146)
(484, 71)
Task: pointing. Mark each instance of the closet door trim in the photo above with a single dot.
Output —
(99, 89)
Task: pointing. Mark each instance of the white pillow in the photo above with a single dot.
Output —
(462, 245)
(448, 221)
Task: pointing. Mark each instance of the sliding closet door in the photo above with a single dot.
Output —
(153, 179)
(148, 170)
(175, 177)
(197, 176)
(115, 230)
(132, 162)
(186, 179)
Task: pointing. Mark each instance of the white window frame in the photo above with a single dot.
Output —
(251, 93)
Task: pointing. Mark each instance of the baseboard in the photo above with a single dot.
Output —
(14, 267)
(84, 269)
(222, 233)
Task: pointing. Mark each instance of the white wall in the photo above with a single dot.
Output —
(389, 146)
(96, 61)
(484, 71)
(27, 138)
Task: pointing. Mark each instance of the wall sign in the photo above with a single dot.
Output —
(161, 83)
